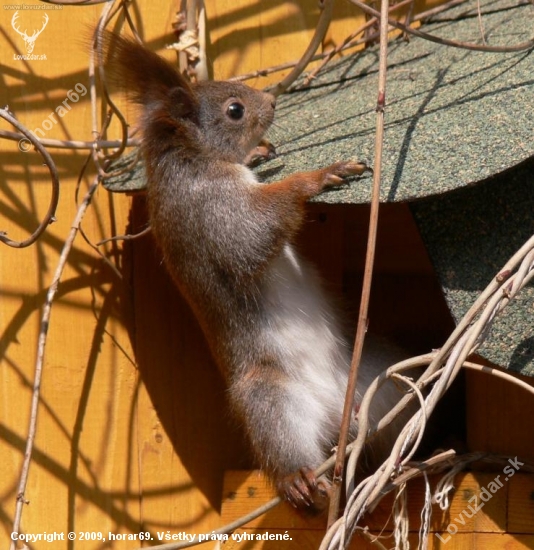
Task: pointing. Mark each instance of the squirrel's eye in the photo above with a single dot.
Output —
(235, 110)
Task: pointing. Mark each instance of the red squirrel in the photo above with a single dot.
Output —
(226, 240)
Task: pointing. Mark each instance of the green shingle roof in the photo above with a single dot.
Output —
(453, 116)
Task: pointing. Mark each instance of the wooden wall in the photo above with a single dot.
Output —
(132, 432)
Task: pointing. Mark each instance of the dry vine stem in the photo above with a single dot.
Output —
(350, 41)
(191, 45)
(368, 272)
(49, 162)
(327, 7)
(69, 144)
(43, 333)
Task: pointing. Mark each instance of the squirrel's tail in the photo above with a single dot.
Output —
(146, 78)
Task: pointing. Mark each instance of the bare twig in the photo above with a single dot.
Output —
(43, 332)
(368, 272)
(481, 24)
(69, 144)
(327, 7)
(145, 231)
(409, 17)
(96, 52)
(104, 258)
(190, 28)
(499, 374)
(54, 199)
(371, 539)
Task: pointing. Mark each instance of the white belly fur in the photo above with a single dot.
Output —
(303, 332)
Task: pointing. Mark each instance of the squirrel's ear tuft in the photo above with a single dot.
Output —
(146, 77)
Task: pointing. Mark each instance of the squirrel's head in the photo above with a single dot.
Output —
(220, 119)
(233, 117)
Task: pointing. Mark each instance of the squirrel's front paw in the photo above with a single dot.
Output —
(334, 174)
(265, 150)
(304, 491)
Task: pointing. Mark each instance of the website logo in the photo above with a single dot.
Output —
(28, 40)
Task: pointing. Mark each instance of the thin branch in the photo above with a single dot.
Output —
(190, 29)
(49, 162)
(323, 24)
(69, 144)
(104, 258)
(424, 414)
(371, 539)
(368, 271)
(409, 17)
(145, 231)
(480, 23)
(96, 52)
(499, 374)
(43, 333)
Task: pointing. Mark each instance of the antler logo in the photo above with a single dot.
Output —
(29, 40)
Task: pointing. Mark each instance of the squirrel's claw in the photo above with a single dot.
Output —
(265, 150)
(349, 168)
(303, 491)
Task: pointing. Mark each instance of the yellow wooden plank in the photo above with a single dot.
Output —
(84, 475)
(265, 539)
(493, 409)
(248, 36)
(245, 491)
(484, 541)
(521, 504)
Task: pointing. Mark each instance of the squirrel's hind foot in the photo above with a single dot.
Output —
(304, 491)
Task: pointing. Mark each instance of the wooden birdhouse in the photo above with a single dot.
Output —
(135, 446)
